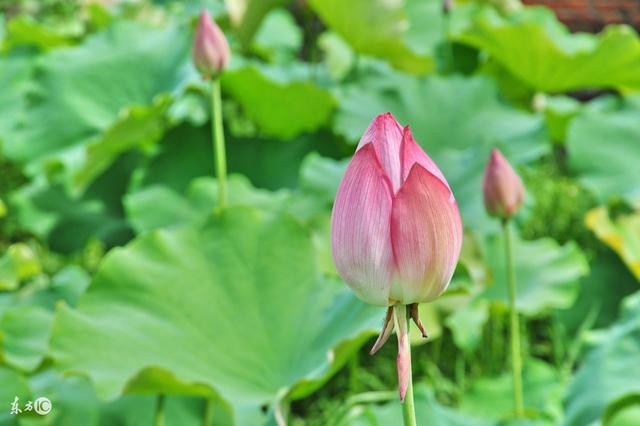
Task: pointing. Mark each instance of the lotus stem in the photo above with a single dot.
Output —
(516, 355)
(207, 417)
(404, 357)
(158, 419)
(217, 133)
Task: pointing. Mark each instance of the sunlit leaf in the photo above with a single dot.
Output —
(380, 28)
(540, 51)
(282, 100)
(622, 234)
(17, 264)
(24, 30)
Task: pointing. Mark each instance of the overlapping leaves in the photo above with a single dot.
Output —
(541, 52)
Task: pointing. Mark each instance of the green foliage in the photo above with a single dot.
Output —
(282, 100)
(379, 28)
(124, 283)
(607, 168)
(536, 48)
(604, 377)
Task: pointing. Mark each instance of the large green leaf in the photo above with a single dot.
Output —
(547, 274)
(381, 28)
(537, 49)
(457, 120)
(236, 305)
(283, 100)
(84, 91)
(604, 150)
(610, 371)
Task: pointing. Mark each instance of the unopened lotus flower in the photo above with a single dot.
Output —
(502, 187)
(210, 47)
(395, 229)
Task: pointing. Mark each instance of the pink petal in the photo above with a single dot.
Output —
(404, 349)
(412, 153)
(426, 234)
(385, 134)
(360, 228)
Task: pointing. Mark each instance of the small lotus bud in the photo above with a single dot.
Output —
(210, 47)
(503, 189)
(447, 5)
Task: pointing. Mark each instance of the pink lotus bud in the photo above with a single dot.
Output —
(210, 48)
(503, 189)
(447, 5)
(395, 228)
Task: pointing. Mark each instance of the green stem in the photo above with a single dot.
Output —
(408, 406)
(217, 132)
(516, 355)
(207, 418)
(158, 419)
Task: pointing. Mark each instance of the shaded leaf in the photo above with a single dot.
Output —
(610, 370)
(492, 398)
(547, 274)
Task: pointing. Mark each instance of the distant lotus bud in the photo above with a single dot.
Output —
(210, 47)
(503, 189)
(395, 227)
(447, 5)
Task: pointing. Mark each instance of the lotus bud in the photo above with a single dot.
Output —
(395, 227)
(447, 5)
(503, 189)
(210, 47)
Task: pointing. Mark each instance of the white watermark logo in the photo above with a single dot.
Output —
(41, 406)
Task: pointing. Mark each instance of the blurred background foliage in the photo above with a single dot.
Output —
(123, 289)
